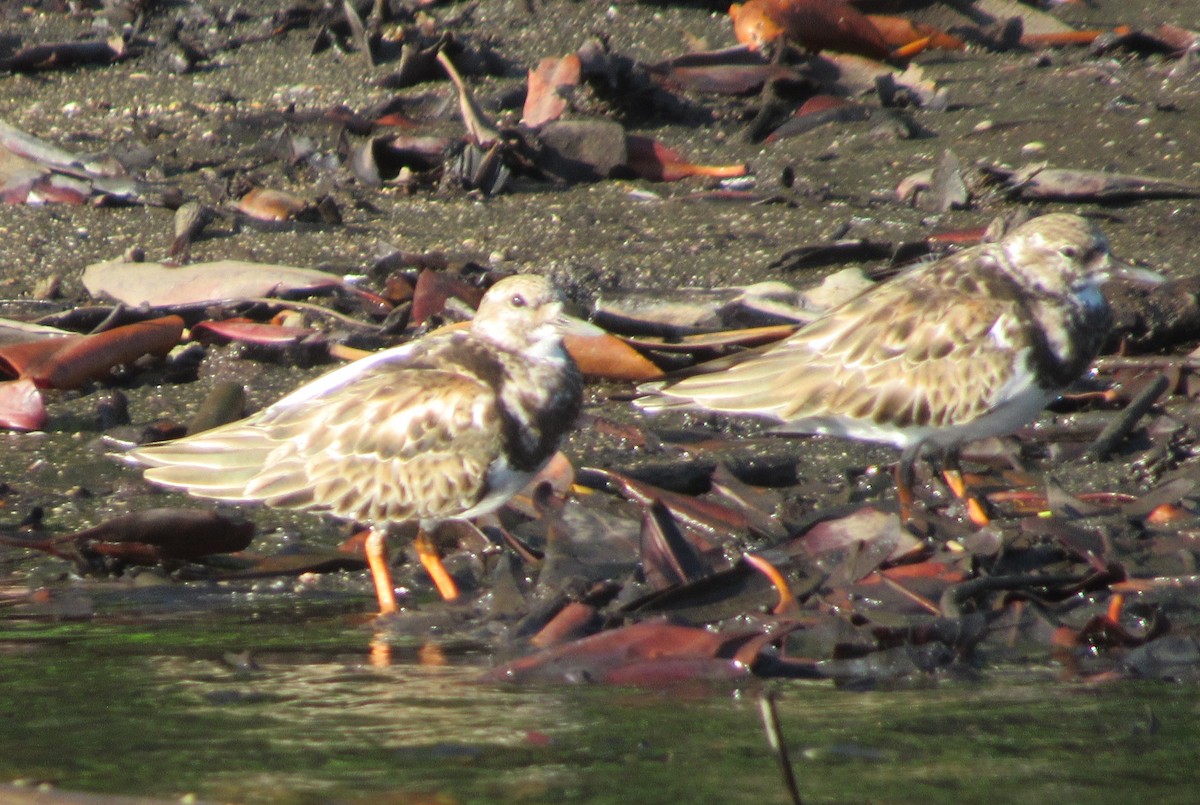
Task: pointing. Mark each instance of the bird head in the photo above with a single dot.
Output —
(1059, 253)
(524, 313)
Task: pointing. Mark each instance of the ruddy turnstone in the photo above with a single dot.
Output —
(448, 427)
(970, 346)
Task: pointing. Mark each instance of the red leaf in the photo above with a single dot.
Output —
(652, 160)
(433, 289)
(21, 406)
(251, 332)
(652, 652)
(69, 362)
(572, 622)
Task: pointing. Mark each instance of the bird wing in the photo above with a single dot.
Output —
(896, 356)
(387, 446)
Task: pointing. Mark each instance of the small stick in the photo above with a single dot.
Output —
(1120, 426)
(479, 127)
(1113, 362)
(770, 717)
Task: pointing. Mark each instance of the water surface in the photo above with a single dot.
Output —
(279, 705)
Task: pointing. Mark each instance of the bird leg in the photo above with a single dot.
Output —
(905, 472)
(952, 474)
(377, 559)
(431, 559)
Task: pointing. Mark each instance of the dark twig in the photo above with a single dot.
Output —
(1111, 363)
(113, 319)
(1121, 425)
(770, 717)
(955, 596)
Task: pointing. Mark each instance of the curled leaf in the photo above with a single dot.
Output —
(434, 289)
(67, 363)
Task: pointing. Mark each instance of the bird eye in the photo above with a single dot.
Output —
(517, 301)
(1070, 252)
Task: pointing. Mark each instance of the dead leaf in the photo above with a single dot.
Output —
(608, 357)
(815, 25)
(1037, 181)
(249, 331)
(545, 99)
(652, 160)
(66, 363)
(434, 289)
(148, 537)
(900, 32)
(57, 55)
(156, 284)
(32, 171)
(21, 405)
(264, 204)
(648, 653)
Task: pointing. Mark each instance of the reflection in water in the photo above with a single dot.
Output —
(311, 704)
(294, 710)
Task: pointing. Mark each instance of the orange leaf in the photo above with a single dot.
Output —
(815, 25)
(1060, 38)
(652, 160)
(606, 356)
(271, 205)
(543, 99)
(900, 32)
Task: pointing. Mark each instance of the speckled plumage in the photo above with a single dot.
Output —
(973, 345)
(447, 427)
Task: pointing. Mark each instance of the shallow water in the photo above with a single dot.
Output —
(282, 705)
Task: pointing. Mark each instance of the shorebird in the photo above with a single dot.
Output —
(971, 346)
(448, 427)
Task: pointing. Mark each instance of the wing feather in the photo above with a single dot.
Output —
(394, 444)
(893, 357)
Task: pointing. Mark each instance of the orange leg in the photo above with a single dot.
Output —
(952, 474)
(377, 560)
(954, 480)
(432, 560)
(1114, 609)
(904, 491)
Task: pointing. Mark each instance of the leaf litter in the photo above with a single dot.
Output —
(681, 551)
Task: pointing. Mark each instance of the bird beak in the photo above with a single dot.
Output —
(1120, 270)
(570, 325)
